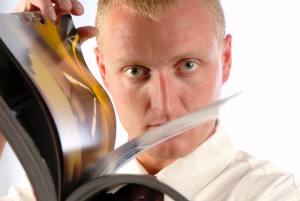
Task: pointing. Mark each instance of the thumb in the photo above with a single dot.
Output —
(86, 33)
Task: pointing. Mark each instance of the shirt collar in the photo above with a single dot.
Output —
(132, 167)
(190, 174)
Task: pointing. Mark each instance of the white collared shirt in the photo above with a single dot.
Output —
(216, 171)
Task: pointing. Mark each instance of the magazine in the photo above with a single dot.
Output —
(59, 120)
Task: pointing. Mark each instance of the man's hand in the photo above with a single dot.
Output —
(53, 9)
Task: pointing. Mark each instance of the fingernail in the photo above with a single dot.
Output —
(50, 13)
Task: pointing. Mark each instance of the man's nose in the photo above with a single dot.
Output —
(164, 93)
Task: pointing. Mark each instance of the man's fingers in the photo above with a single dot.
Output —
(58, 8)
(44, 6)
(65, 5)
(87, 32)
(73, 7)
(77, 8)
(51, 9)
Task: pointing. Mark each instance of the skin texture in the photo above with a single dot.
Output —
(157, 71)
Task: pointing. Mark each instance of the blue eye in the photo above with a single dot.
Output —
(133, 72)
(189, 65)
(136, 71)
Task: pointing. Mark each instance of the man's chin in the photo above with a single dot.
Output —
(167, 151)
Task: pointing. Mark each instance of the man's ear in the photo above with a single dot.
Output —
(101, 66)
(226, 58)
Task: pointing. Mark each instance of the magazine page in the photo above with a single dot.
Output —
(119, 187)
(29, 156)
(79, 117)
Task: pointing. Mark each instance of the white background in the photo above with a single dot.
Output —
(266, 61)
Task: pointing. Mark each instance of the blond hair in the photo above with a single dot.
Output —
(154, 9)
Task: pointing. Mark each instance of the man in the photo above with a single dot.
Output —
(160, 60)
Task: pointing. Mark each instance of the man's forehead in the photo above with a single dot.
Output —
(149, 8)
(182, 8)
(154, 10)
(180, 11)
(128, 32)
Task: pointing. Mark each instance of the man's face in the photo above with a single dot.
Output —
(157, 71)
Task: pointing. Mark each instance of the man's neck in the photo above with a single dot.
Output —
(151, 165)
(155, 164)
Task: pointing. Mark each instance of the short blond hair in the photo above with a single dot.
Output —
(154, 9)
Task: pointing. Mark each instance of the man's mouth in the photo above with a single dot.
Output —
(153, 126)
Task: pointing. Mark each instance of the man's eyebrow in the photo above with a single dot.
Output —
(130, 61)
(127, 61)
(188, 54)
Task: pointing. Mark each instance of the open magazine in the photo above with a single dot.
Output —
(61, 123)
